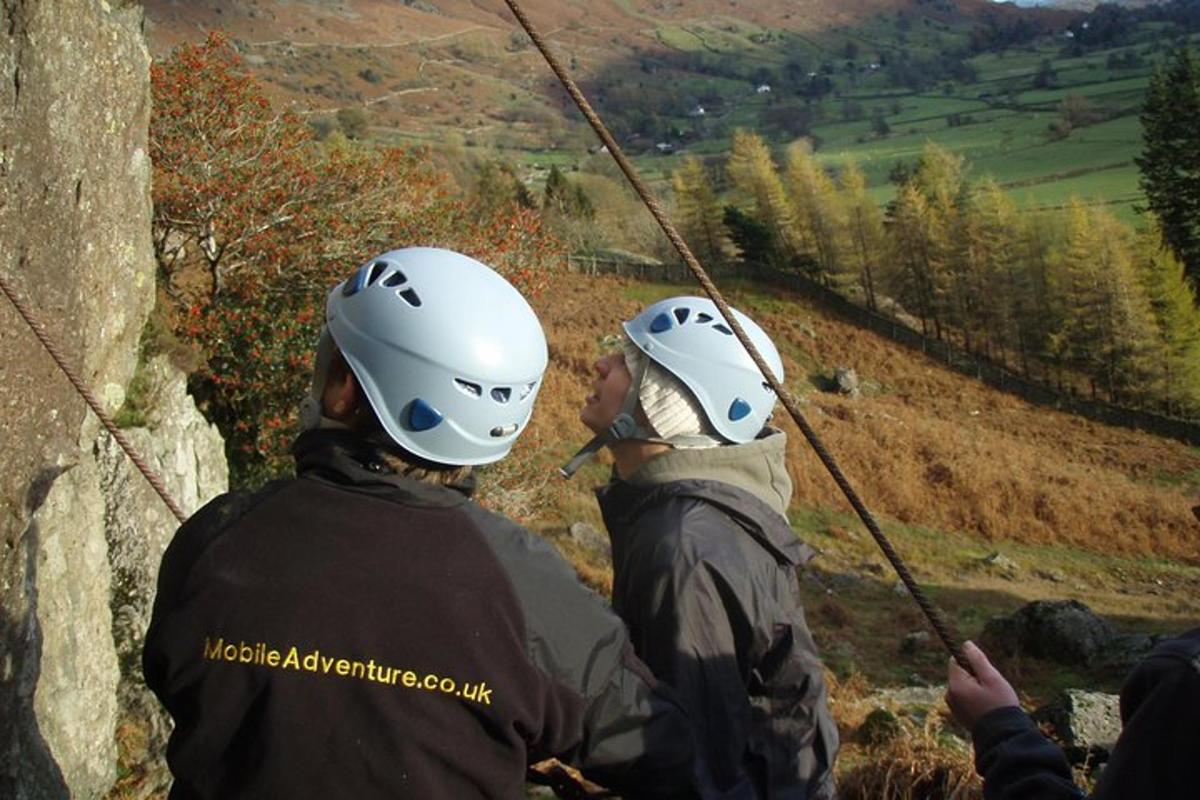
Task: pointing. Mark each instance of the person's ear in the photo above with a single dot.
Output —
(341, 398)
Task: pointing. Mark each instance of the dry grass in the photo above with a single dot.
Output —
(926, 446)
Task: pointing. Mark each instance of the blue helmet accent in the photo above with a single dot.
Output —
(688, 337)
(448, 353)
(739, 410)
(422, 416)
(661, 323)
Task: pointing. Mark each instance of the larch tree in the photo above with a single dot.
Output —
(700, 215)
(866, 243)
(1174, 304)
(819, 212)
(916, 240)
(754, 177)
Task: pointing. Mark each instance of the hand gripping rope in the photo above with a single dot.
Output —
(932, 613)
(43, 336)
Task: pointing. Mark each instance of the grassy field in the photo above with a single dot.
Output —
(1000, 121)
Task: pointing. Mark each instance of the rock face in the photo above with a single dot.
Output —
(75, 243)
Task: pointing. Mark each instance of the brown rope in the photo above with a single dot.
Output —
(932, 613)
(43, 336)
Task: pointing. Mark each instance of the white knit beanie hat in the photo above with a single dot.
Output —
(670, 407)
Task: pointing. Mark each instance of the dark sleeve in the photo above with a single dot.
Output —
(634, 735)
(679, 613)
(1160, 738)
(1017, 762)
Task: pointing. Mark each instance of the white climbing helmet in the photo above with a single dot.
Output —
(688, 337)
(448, 353)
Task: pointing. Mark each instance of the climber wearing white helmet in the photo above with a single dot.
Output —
(704, 562)
(365, 629)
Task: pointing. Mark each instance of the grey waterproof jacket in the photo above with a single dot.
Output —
(705, 577)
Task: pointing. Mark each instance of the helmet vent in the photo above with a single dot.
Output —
(504, 430)
(702, 317)
(529, 387)
(473, 389)
(502, 394)
(411, 298)
(681, 314)
(723, 329)
(394, 280)
(377, 269)
(767, 386)
(739, 409)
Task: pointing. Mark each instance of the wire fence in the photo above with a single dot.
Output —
(976, 366)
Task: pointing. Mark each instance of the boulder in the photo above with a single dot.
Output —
(1064, 631)
(1087, 723)
(846, 380)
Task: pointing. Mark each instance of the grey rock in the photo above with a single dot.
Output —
(72, 668)
(1066, 632)
(592, 540)
(188, 454)
(847, 381)
(79, 552)
(1087, 723)
(1000, 564)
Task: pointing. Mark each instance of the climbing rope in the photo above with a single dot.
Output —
(932, 613)
(44, 337)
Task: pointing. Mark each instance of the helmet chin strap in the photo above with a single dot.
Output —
(624, 427)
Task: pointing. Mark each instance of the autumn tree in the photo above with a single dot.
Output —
(818, 210)
(1173, 301)
(1108, 326)
(864, 233)
(700, 216)
(254, 221)
(756, 181)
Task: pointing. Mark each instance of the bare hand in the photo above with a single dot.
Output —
(972, 696)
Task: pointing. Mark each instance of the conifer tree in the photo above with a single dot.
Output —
(754, 176)
(700, 216)
(1170, 160)
(1003, 282)
(1127, 341)
(1174, 305)
(865, 236)
(916, 232)
(819, 212)
(1109, 329)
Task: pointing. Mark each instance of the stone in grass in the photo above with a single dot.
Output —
(1000, 564)
(591, 540)
(846, 380)
(1087, 723)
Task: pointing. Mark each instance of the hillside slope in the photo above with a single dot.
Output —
(924, 446)
(466, 68)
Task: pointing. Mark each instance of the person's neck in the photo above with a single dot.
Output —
(628, 456)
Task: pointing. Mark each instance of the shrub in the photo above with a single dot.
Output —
(254, 221)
